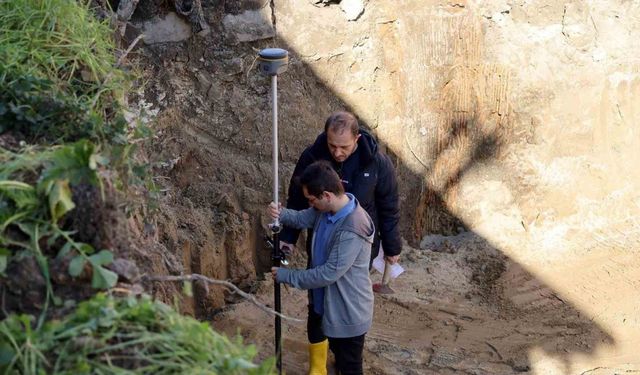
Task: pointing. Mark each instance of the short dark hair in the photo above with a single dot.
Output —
(342, 120)
(319, 177)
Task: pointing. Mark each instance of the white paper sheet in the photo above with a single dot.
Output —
(378, 264)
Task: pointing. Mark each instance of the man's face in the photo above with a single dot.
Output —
(341, 144)
(319, 203)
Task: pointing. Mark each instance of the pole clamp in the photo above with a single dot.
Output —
(275, 227)
(278, 254)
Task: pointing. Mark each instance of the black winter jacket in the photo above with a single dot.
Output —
(369, 175)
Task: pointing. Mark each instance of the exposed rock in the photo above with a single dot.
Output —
(352, 8)
(193, 10)
(125, 269)
(234, 66)
(124, 12)
(443, 358)
(255, 4)
(126, 9)
(248, 26)
(170, 28)
(9, 141)
(238, 6)
(203, 82)
(172, 263)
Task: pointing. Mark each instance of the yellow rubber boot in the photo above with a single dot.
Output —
(318, 358)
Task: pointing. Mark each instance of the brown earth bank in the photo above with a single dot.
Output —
(507, 122)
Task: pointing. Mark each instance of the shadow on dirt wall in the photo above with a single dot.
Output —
(234, 123)
(517, 311)
(519, 302)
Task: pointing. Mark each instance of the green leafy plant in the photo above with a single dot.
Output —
(102, 278)
(60, 92)
(57, 77)
(33, 210)
(107, 335)
(39, 110)
(58, 83)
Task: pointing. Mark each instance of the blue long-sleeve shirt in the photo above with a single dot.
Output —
(320, 249)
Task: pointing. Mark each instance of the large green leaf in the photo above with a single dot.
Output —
(85, 248)
(76, 265)
(66, 249)
(29, 229)
(101, 258)
(103, 278)
(73, 163)
(7, 354)
(60, 201)
(96, 159)
(7, 184)
(22, 194)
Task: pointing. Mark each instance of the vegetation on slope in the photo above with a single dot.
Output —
(57, 77)
(122, 336)
(62, 130)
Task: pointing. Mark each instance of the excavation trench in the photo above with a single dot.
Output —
(517, 217)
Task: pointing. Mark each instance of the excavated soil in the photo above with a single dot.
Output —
(460, 308)
(506, 123)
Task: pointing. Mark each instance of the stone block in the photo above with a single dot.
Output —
(249, 26)
(171, 28)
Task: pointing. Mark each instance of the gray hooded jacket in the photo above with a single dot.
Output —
(348, 297)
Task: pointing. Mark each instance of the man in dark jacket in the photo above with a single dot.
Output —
(368, 175)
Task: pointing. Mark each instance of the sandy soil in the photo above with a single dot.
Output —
(460, 307)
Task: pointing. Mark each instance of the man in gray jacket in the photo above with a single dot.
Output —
(339, 275)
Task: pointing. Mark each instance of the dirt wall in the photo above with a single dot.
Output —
(514, 121)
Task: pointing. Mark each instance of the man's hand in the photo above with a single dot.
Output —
(274, 272)
(273, 210)
(391, 259)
